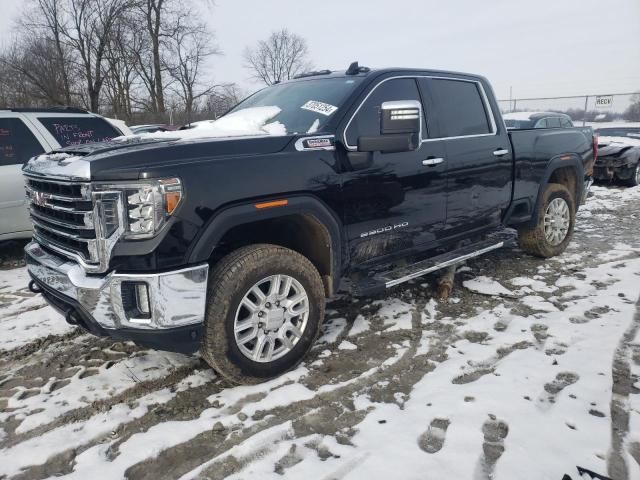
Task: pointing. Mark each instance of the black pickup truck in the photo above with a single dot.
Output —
(230, 243)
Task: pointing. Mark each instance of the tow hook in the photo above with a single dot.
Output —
(33, 286)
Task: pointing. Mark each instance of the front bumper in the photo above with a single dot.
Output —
(608, 168)
(177, 300)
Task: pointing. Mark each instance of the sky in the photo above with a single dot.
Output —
(536, 48)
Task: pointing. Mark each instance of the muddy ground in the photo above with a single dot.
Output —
(79, 406)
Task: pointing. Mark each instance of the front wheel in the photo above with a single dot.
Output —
(265, 306)
(554, 225)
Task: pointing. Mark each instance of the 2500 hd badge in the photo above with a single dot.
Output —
(388, 228)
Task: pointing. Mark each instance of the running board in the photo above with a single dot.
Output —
(379, 283)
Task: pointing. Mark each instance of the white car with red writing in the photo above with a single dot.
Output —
(26, 132)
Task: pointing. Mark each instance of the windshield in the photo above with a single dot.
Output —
(304, 106)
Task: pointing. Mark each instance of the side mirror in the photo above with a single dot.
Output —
(401, 116)
(400, 128)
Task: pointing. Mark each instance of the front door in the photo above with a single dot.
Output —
(393, 202)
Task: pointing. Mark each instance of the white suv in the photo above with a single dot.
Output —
(26, 132)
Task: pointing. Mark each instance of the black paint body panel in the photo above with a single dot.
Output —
(470, 191)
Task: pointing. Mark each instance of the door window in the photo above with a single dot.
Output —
(541, 123)
(78, 130)
(367, 121)
(461, 110)
(553, 122)
(17, 143)
(565, 123)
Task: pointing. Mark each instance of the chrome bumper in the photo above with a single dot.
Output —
(177, 298)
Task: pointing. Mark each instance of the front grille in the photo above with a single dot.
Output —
(63, 219)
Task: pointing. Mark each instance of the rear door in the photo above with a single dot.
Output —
(18, 143)
(477, 154)
(393, 202)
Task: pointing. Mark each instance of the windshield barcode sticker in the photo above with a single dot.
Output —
(319, 107)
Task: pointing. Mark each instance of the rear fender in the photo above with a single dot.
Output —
(560, 161)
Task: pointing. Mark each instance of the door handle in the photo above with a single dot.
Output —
(500, 152)
(432, 161)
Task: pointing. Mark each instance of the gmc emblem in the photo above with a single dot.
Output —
(40, 198)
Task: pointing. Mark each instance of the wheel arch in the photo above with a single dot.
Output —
(305, 224)
(565, 169)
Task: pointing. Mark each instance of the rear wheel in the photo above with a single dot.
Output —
(554, 225)
(634, 180)
(265, 307)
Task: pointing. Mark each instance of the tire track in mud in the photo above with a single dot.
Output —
(621, 389)
(327, 412)
(129, 395)
(186, 405)
(24, 351)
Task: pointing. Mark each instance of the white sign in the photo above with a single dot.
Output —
(604, 101)
(319, 107)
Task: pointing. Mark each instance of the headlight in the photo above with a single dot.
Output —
(150, 205)
(147, 205)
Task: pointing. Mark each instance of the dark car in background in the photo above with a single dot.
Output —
(618, 155)
(151, 128)
(526, 120)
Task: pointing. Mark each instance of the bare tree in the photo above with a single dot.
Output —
(222, 99)
(189, 48)
(34, 63)
(632, 113)
(121, 56)
(47, 18)
(125, 57)
(88, 32)
(280, 57)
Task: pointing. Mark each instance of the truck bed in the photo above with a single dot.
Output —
(534, 148)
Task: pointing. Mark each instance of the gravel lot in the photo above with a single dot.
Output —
(531, 378)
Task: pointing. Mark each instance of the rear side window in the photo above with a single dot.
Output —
(565, 123)
(17, 143)
(553, 122)
(461, 110)
(366, 122)
(78, 130)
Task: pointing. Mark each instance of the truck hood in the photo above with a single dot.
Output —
(131, 158)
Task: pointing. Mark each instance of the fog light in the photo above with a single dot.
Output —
(142, 299)
(136, 301)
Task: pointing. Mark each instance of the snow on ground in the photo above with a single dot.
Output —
(25, 316)
(530, 370)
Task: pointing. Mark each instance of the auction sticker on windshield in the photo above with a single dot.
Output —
(319, 107)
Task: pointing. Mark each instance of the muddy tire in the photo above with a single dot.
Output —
(555, 220)
(634, 179)
(265, 306)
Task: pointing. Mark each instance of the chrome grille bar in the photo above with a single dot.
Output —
(63, 217)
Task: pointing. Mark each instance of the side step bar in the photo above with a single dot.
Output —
(379, 283)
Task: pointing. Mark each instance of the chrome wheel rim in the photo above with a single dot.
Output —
(271, 318)
(557, 220)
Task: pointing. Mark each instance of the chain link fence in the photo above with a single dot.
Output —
(581, 108)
